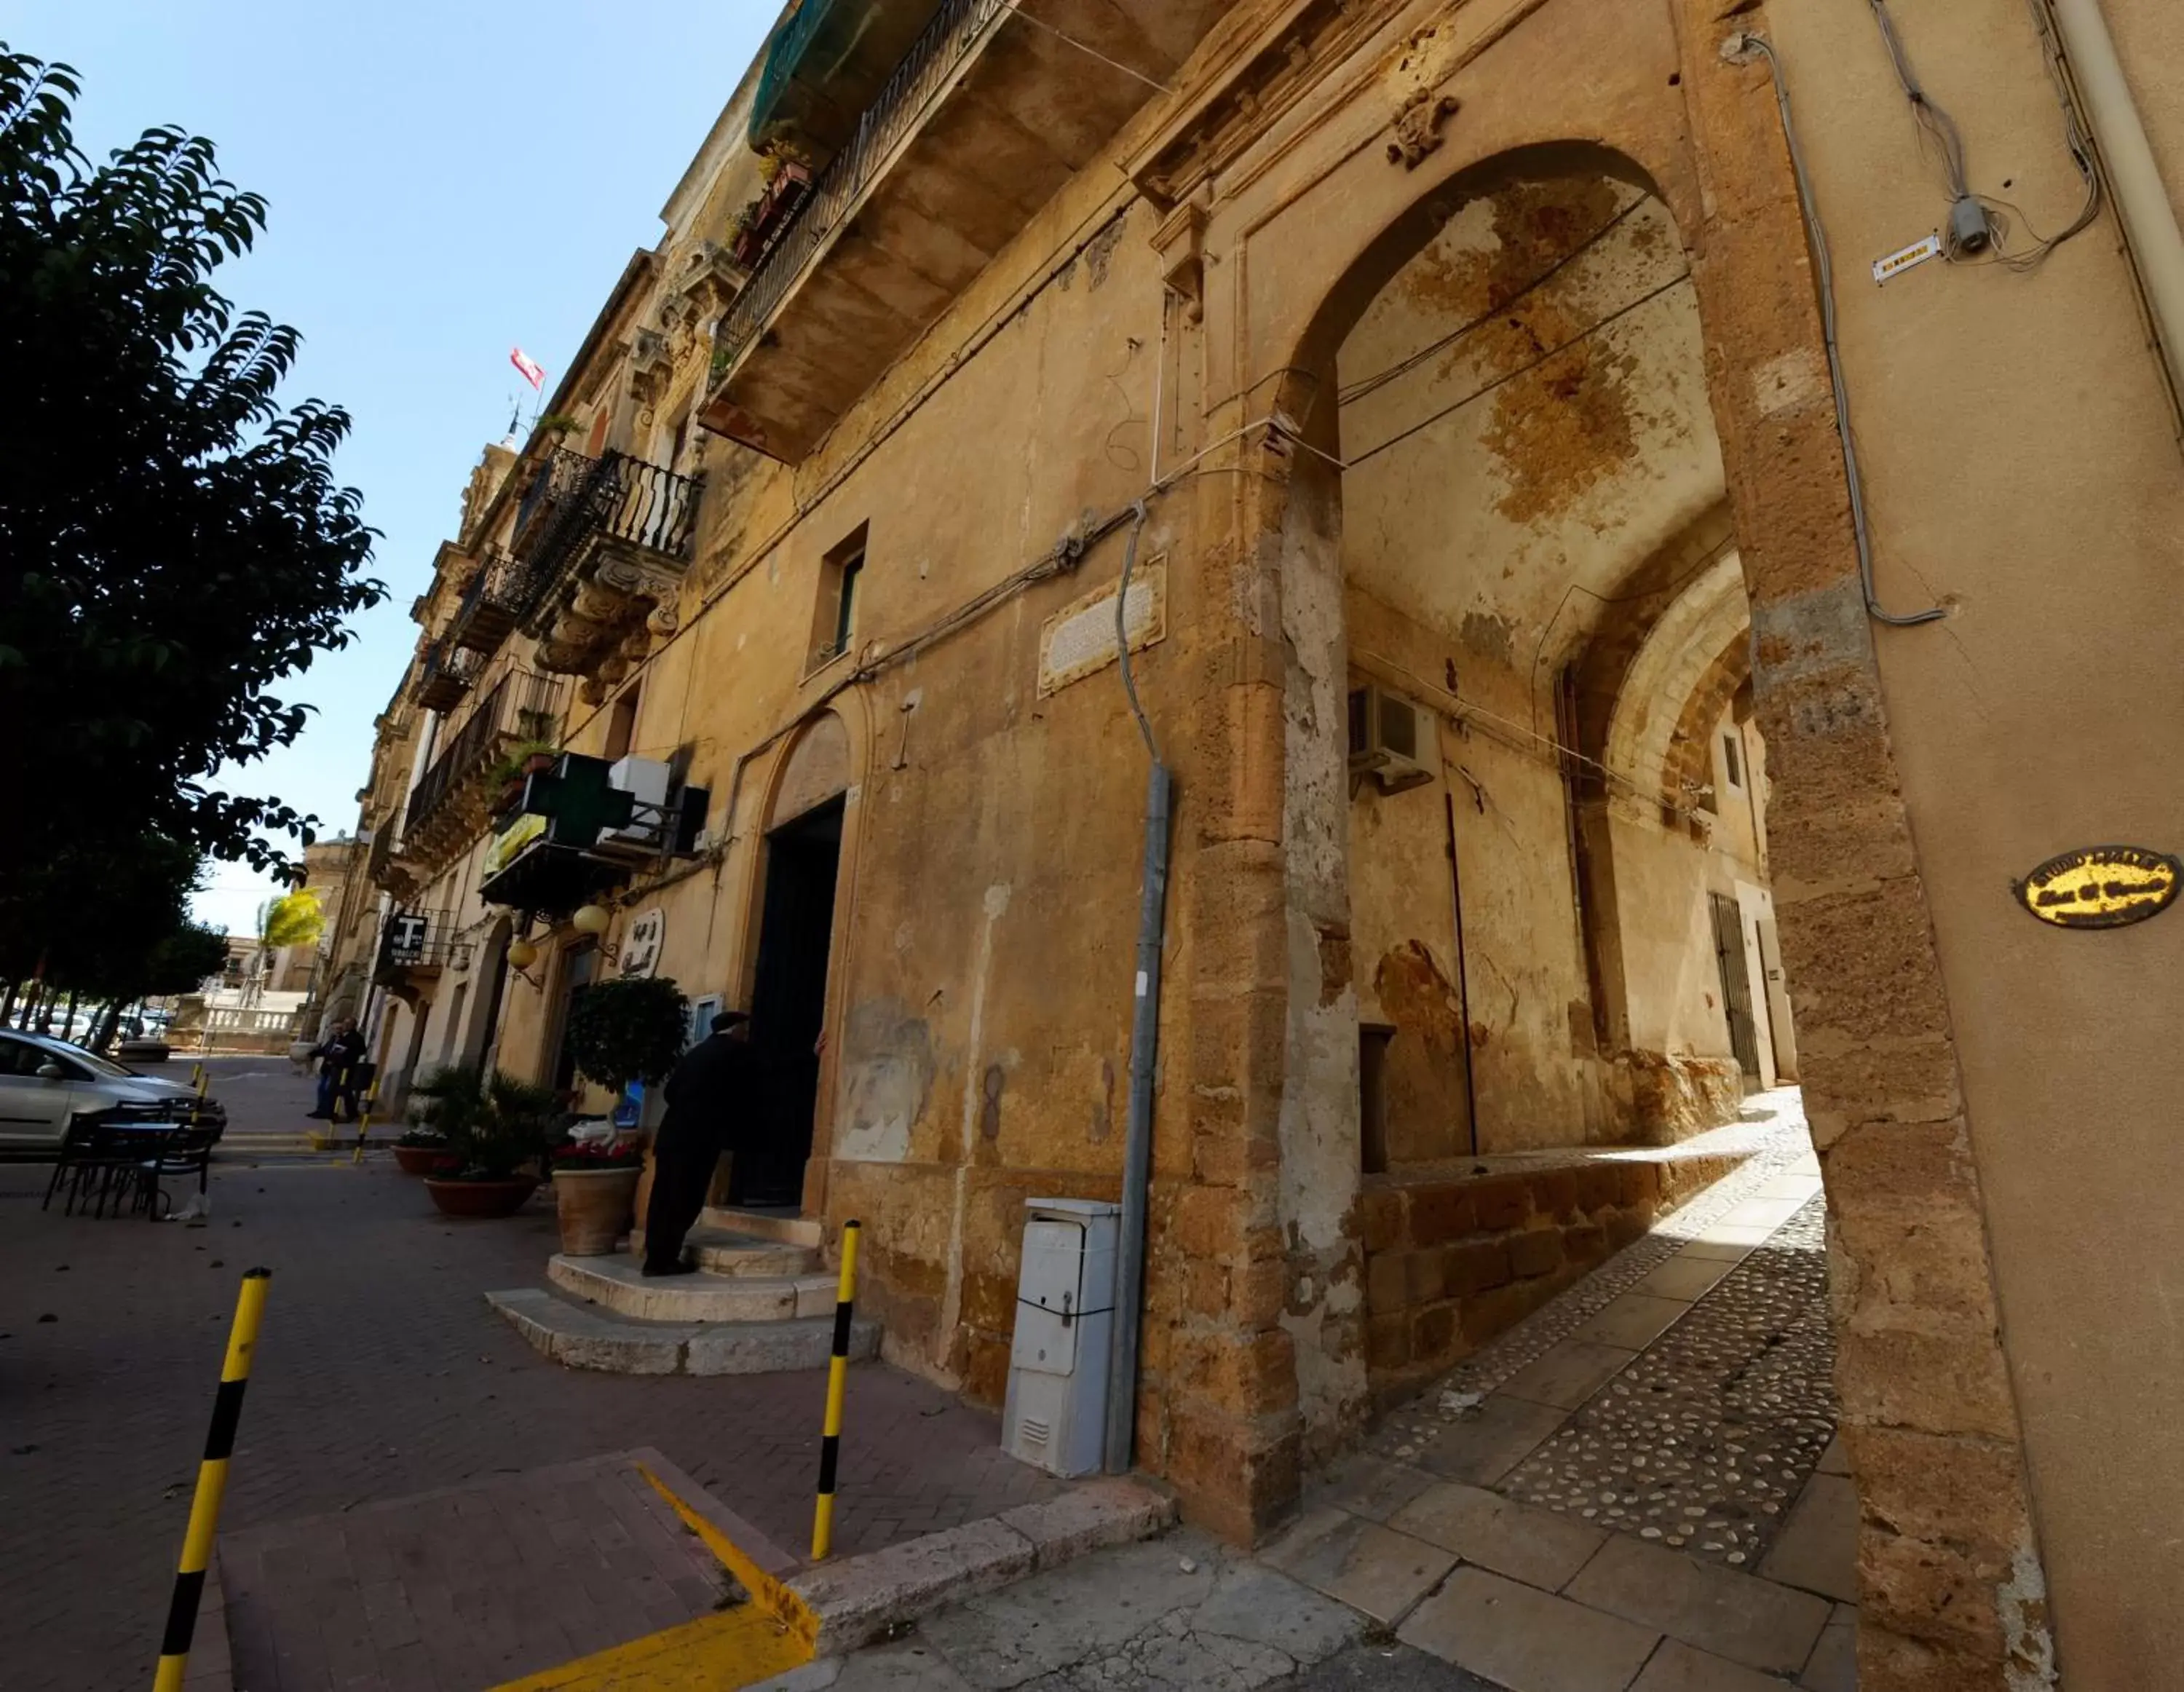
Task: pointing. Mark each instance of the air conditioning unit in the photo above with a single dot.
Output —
(1385, 733)
(645, 780)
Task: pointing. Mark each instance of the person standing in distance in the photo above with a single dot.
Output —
(710, 1089)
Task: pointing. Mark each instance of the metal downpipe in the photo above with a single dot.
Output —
(1145, 1056)
(2150, 216)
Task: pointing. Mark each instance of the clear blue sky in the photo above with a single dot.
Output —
(445, 180)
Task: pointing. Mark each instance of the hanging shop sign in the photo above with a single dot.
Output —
(2101, 887)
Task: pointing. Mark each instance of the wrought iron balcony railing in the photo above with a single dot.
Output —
(491, 603)
(573, 500)
(900, 107)
(447, 675)
(420, 940)
(520, 707)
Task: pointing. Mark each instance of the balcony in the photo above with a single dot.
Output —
(598, 550)
(487, 612)
(417, 944)
(982, 122)
(457, 795)
(445, 680)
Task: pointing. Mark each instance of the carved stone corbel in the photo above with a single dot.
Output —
(1418, 126)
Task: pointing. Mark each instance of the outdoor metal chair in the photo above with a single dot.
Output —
(97, 1162)
(187, 1151)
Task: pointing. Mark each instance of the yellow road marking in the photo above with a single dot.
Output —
(769, 1593)
(735, 1648)
(772, 1633)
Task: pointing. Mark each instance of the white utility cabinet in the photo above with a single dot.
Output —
(1057, 1413)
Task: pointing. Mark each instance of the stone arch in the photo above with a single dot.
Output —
(821, 761)
(1693, 658)
(815, 769)
(1929, 1413)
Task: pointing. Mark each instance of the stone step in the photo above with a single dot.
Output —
(781, 1225)
(619, 1284)
(723, 1251)
(582, 1337)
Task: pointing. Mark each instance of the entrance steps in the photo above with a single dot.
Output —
(758, 1304)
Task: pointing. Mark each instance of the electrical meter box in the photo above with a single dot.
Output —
(1057, 1413)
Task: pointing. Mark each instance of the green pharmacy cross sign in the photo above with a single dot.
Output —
(578, 801)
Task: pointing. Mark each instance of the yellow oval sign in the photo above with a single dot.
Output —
(2102, 887)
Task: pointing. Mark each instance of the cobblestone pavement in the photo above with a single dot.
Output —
(1709, 1435)
(381, 1372)
(1529, 1518)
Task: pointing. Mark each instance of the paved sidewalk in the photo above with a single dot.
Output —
(1636, 1490)
(382, 1373)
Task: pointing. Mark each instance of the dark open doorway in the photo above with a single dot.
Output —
(788, 1003)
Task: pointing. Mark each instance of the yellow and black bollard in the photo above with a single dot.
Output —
(363, 1120)
(837, 1378)
(212, 1484)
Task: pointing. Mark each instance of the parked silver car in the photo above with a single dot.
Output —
(48, 1086)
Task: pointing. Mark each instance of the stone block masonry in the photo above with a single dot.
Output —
(1452, 1261)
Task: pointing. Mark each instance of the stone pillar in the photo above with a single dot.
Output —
(1219, 1403)
(1950, 1578)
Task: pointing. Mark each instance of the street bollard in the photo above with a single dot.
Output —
(212, 1484)
(204, 1086)
(838, 1378)
(363, 1120)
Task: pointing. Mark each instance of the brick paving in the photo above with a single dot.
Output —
(381, 1373)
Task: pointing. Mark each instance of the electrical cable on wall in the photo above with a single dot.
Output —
(1817, 239)
(1122, 632)
(1979, 226)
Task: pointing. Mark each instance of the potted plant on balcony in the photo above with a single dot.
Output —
(632, 1029)
(494, 1126)
(524, 757)
(594, 1186)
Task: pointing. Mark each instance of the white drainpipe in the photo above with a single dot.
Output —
(2142, 201)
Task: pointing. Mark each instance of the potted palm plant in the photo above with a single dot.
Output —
(494, 1126)
(619, 1031)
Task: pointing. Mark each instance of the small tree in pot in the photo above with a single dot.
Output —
(619, 1031)
(494, 1126)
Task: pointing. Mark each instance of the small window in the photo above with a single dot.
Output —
(1373, 1099)
(621, 727)
(1730, 763)
(834, 623)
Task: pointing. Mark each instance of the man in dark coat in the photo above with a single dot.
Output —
(339, 1053)
(708, 1092)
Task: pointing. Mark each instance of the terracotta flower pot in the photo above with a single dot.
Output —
(595, 1208)
(425, 1159)
(502, 1198)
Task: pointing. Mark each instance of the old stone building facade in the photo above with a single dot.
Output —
(1455, 383)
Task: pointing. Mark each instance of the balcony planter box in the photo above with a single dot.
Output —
(425, 1159)
(594, 1205)
(503, 1197)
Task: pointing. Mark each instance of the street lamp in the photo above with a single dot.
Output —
(592, 920)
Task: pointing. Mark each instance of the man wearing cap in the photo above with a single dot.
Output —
(709, 1090)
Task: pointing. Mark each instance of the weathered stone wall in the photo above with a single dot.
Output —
(1449, 1264)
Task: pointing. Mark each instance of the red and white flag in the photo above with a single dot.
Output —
(533, 374)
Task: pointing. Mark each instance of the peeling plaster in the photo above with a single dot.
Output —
(996, 904)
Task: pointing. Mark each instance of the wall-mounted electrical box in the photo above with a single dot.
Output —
(1056, 1413)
